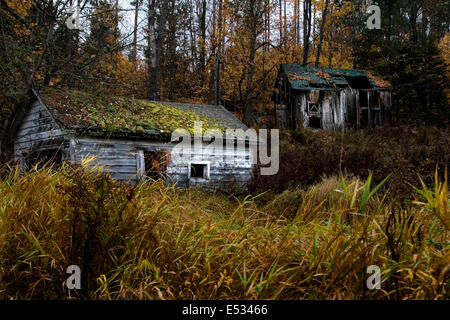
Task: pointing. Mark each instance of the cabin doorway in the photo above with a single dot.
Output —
(156, 163)
(43, 158)
(364, 110)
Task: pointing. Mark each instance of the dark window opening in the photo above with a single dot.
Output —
(376, 118)
(363, 99)
(156, 163)
(198, 170)
(375, 102)
(44, 158)
(358, 82)
(315, 123)
(364, 118)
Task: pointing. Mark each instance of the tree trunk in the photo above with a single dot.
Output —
(219, 54)
(285, 22)
(136, 16)
(156, 40)
(248, 100)
(281, 24)
(306, 29)
(322, 26)
(193, 37)
(213, 53)
(253, 20)
(330, 41)
(202, 54)
(172, 48)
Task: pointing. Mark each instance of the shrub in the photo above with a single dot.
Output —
(405, 153)
(52, 219)
(155, 241)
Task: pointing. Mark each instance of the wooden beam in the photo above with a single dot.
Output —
(369, 116)
(357, 106)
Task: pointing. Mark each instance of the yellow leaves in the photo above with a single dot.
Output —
(20, 7)
(444, 46)
(379, 82)
(38, 51)
(21, 32)
(55, 80)
(345, 9)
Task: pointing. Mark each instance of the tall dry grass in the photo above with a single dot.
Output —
(155, 241)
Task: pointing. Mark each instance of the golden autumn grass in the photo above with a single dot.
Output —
(156, 241)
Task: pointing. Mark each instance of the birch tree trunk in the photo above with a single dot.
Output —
(136, 16)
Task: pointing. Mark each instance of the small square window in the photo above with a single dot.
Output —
(198, 170)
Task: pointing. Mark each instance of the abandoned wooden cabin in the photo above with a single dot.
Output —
(130, 138)
(326, 98)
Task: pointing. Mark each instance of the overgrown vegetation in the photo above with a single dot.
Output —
(109, 113)
(405, 153)
(154, 241)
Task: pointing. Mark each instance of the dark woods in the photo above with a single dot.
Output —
(222, 50)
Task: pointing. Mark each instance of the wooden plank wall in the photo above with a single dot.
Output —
(341, 109)
(333, 110)
(222, 172)
(121, 160)
(386, 106)
(351, 117)
(39, 131)
(124, 160)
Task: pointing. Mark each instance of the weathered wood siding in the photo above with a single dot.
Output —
(125, 161)
(39, 131)
(338, 109)
(302, 118)
(232, 165)
(120, 159)
(351, 116)
(333, 110)
(386, 106)
(282, 116)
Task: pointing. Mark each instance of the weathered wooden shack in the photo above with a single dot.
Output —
(327, 98)
(130, 138)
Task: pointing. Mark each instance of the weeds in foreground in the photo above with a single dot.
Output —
(155, 241)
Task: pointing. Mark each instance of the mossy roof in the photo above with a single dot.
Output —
(315, 78)
(108, 115)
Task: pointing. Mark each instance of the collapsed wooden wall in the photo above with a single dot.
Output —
(39, 132)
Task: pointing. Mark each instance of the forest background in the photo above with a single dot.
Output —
(223, 51)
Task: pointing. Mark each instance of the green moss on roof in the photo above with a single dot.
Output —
(78, 110)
